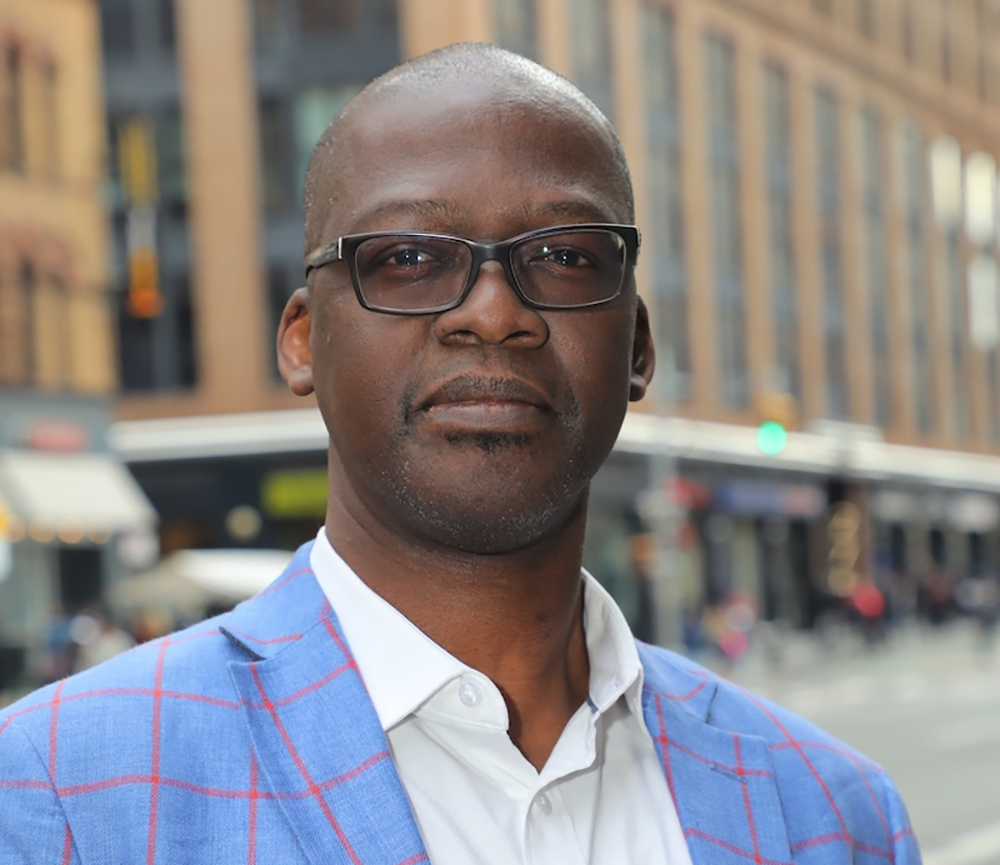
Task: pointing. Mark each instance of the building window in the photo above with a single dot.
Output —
(158, 353)
(321, 16)
(281, 283)
(171, 169)
(828, 178)
(945, 37)
(52, 338)
(913, 198)
(277, 164)
(268, 21)
(12, 130)
(29, 322)
(516, 23)
(727, 241)
(117, 28)
(906, 35)
(666, 224)
(62, 325)
(155, 326)
(778, 169)
(945, 171)
(875, 264)
(17, 327)
(592, 67)
(957, 317)
(167, 24)
(388, 12)
(312, 112)
(867, 23)
(50, 116)
(289, 130)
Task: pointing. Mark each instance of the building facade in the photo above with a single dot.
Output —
(817, 187)
(64, 498)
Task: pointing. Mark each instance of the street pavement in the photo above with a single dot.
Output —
(925, 705)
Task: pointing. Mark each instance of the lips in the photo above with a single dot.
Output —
(485, 404)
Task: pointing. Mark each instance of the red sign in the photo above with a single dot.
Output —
(57, 435)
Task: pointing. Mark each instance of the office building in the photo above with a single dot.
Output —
(816, 183)
(66, 502)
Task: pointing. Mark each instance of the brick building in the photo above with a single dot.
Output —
(816, 184)
(65, 499)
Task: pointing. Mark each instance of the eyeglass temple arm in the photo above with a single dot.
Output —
(324, 255)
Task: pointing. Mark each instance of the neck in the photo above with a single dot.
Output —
(516, 617)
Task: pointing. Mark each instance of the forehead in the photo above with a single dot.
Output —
(473, 162)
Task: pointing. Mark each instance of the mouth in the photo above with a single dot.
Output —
(485, 405)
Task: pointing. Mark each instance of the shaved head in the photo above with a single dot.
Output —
(503, 83)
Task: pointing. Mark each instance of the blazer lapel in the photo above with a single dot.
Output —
(318, 742)
(722, 783)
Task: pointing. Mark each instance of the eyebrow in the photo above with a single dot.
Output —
(437, 208)
(428, 207)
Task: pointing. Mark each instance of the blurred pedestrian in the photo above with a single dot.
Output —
(868, 606)
(979, 597)
(434, 678)
(99, 639)
(60, 649)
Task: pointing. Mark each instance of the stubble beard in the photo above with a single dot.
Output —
(498, 509)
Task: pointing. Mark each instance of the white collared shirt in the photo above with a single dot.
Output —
(600, 799)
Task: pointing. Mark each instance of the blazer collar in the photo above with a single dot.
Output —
(722, 783)
(316, 737)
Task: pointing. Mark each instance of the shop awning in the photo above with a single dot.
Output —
(844, 454)
(187, 581)
(831, 449)
(92, 491)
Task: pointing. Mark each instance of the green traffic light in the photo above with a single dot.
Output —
(771, 438)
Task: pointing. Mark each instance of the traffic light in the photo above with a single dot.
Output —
(776, 412)
(771, 438)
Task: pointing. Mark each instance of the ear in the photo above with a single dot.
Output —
(643, 354)
(294, 353)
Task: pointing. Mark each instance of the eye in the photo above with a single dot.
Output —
(408, 257)
(563, 256)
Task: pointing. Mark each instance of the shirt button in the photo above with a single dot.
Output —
(469, 694)
(544, 805)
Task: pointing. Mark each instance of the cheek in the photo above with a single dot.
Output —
(597, 359)
(360, 368)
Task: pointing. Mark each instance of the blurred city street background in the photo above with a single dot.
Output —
(809, 499)
(926, 707)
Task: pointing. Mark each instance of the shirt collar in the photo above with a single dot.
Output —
(402, 667)
(615, 668)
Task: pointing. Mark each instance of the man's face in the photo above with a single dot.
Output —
(478, 428)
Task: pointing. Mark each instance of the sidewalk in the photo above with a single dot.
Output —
(778, 662)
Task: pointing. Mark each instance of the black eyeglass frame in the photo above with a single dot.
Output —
(345, 249)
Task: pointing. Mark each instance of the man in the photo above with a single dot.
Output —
(433, 679)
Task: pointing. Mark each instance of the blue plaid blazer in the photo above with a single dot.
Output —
(250, 738)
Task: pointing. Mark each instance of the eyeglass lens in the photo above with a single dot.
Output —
(571, 268)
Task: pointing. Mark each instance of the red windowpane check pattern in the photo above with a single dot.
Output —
(265, 728)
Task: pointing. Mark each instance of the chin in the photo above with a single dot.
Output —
(503, 520)
(489, 535)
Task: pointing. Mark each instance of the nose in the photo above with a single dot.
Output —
(492, 314)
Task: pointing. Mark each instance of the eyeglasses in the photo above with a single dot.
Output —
(418, 272)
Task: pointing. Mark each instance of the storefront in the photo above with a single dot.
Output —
(72, 518)
(684, 516)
